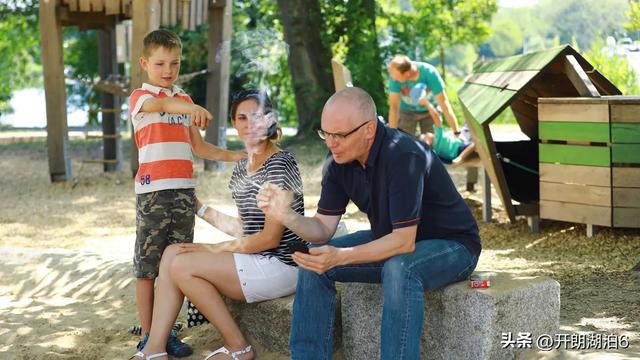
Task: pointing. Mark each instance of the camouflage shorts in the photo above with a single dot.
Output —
(163, 218)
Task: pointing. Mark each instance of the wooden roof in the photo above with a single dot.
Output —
(494, 85)
(96, 13)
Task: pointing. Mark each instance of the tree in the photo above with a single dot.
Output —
(309, 60)
(437, 25)
(634, 17)
(351, 32)
(20, 48)
(506, 39)
(617, 69)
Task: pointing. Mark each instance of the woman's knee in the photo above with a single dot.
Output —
(168, 256)
(181, 267)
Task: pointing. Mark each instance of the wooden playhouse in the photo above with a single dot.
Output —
(519, 82)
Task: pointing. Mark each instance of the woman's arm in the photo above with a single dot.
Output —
(268, 238)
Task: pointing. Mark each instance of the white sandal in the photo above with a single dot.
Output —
(144, 356)
(234, 355)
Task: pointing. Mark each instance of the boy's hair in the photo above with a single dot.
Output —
(402, 63)
(160, 38)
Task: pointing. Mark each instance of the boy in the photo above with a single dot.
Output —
(449, 148)
(165, 122)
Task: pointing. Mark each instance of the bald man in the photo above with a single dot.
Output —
(422, 237)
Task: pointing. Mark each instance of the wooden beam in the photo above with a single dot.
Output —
(218, 61)
(55, 91)
(579, 78)
(112, 7)
(185, 14)
(73, 5)
(97, 5)
(108, 65)
(193, 13)
(85, 5)
(341, 75)
(166, 12)
(146, 17)
(173, 17)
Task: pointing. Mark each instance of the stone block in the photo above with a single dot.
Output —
(269, 322)
(460, 322)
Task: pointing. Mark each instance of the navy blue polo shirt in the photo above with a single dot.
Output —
(402, 184)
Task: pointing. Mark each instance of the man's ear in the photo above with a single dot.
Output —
(143, 63)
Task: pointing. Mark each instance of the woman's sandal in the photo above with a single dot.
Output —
(234, 355)
(144, 356)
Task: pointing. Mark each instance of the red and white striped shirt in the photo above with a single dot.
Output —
(163, 141)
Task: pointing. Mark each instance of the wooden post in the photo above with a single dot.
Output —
(55, 92)
(145, 18)
(218, 62)
(486, 196)
(108, 65)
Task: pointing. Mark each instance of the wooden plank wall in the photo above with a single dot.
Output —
(625, 134)
(575, 175)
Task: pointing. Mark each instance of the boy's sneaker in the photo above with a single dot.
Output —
(176, 348)
(142, 342)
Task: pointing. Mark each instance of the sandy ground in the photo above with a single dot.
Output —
(66, 290)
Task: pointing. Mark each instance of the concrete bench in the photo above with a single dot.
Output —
(460, 322)
(267, 322)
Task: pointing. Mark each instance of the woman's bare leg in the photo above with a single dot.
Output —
(205, 277)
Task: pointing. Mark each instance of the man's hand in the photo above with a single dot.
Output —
(274, 202)
(200, 117)
(319, 259)
(190, 247)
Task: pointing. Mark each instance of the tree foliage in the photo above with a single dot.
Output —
(424, 27)
(634, 17)
(506, 39)
(20, 48)
(615, 68)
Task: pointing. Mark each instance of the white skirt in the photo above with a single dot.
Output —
(264, 278)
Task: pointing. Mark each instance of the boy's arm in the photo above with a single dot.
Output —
(432, 111)
(447, 111)
(209, 151)
(199, 116)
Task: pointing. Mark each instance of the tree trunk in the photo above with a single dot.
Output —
(363, 57)
(442, 64)
(309, 60)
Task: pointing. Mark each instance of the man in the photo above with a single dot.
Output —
(412, 83)
(423, 236)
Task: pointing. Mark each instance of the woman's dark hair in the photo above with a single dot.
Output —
(262, 98)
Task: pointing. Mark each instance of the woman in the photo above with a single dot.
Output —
(255, 267)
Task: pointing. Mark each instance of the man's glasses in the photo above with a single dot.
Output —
(337, 136)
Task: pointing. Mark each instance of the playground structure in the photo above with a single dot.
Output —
(145, 16)
(519, 82)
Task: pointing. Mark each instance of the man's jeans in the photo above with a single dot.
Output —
(405, 278)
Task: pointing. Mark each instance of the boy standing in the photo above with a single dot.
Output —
(165, 121)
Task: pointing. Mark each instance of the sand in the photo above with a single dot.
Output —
(66, 290)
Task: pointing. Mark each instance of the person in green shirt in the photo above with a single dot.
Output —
(410, 82)
(449, 147)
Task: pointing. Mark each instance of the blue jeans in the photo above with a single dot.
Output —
(404, 278)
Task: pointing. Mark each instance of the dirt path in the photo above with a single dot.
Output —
(66, 290)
